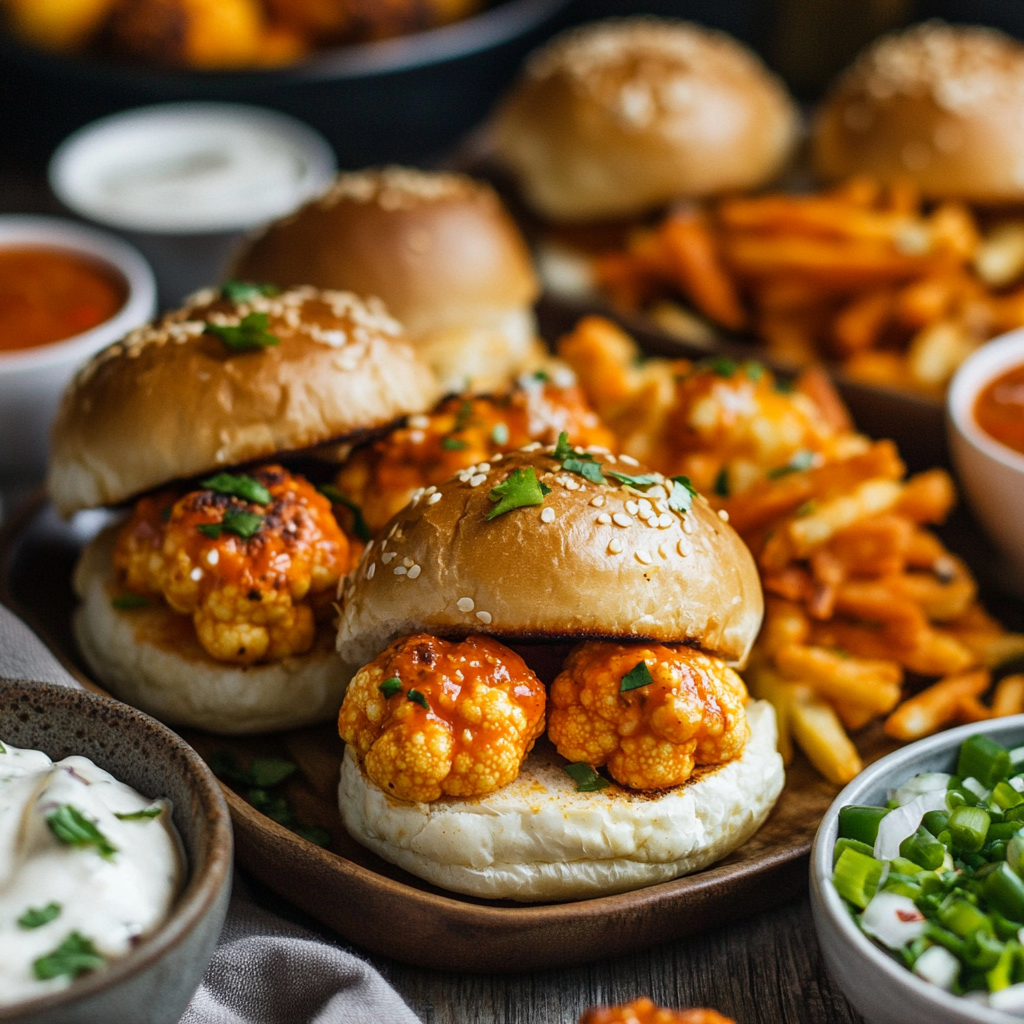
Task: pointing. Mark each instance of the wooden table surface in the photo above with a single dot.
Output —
(764, 970)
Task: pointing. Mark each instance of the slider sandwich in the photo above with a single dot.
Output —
(209, 605)
(643, 761)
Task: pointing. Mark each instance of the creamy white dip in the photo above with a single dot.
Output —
(61, 889)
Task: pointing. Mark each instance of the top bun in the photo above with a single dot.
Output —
(584, 565)
(439, 249)
(940, 104)
(170, 401)
(614, 119)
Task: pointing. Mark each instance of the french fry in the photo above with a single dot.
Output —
(1008, 696)
(926, 300)
(766, 684)
(989, 649)
(860, 323)
(784, 623)
(816, 384)
(874, 547)
(971, 710)
(873, 685)
(931, 652)
(940, 601)
(927, 497)
(937, 350)
(935, 707)
(855, 638)
(821, 736)
(854, 718)
(999, 258)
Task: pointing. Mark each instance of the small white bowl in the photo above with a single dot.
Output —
(32, 380)
(991, 474)
(882, 990)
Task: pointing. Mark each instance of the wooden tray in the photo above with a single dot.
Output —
(385, 910)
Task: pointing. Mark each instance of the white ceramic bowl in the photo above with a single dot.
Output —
(884, 991)
(32, 380)
(991, 474)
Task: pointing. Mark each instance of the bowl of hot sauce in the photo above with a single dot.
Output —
(985, 413)
(66, 291)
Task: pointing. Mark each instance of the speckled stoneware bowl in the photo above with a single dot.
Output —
(153, 983)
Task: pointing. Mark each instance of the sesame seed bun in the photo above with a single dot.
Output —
(539, 839)
(150, 658)
(170, 401)
(619, 117)
(940, 104)
(568, 570)
(439, 249)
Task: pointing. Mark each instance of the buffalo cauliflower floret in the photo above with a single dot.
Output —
(253, 577)
(430, 718)
(653, 734)
(643, 1011)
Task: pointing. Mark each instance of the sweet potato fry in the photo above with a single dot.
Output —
(931, 709)
(1008, 696)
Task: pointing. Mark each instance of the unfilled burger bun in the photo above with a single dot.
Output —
(535, 838)
(150, 658)
(941, 104)
(439, 249)
(171, 400)
(590, 563)
(616, 118)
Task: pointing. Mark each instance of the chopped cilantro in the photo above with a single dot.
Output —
(144, 815)
(722, 366)
(454, 444)
(683, 492)
(581, 463)
(74, 956)
(418, 698)
(245, 291)
(3, 749)
(261, 773)
(784, 386)
(36, 917)
(209, 530)
(641, 483)
(499, 433)
(249, 336)
(359, 527)
(244, 524)
(463, 416)
(518, 490)
(754, 371)
(241, 486)
(639, 675)
(808, 508)
(390, 687)
(126, 602)
(312, 834)
(542, 375)
(721, 486)
(801, 460)
(71, 827)
(586, 778)
(563, 449)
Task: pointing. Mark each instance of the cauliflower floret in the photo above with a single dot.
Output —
(643, 1011)
(431, 718)
(253, 577)
(650, 736)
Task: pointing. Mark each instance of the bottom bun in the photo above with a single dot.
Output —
(150, 658)
(538, 839)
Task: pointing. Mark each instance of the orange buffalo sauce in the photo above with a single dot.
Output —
(999, 409)
(47, 295)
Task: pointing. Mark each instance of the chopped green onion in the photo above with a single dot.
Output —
(968, 827)
(860, 823)
(241, 486)
(945, 938)
(984, 760)
(1005, 796)
(639, 675)
(1004, 892)
(850, 844)
(923, 849)
(390, 687)
(983, 951)
(856, 877)
(586, 778)
(1001, 976)
(935, 821)
(418, 698)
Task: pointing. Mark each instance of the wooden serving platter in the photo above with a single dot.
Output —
(385, 910)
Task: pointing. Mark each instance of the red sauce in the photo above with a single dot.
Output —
(47, 295)
(999, 409)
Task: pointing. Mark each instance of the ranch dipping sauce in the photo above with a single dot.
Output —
(88, 867)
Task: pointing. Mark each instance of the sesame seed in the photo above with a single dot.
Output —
(484, 467)
(611, 458)
(683, 547)
(417, 436)
(484, 617)
(597, 502)
(615, 547)
(621, 519)
(642, 556)
(370, 570)
(629, 460)
(645, 505)
(419, 422)
(414, 572)
(532, 446)
(687, 525)
(400, 570)
(548, 515)
(665, 520)
(433, 499)
(196, 574)
(465, 604)
(408, 563)
(430, 490)
(736, 599)
(663, 550)
(632, 507)
(572, 485)
(497, 458)
(388, 557)
(476, 481)
(723, 515)
(604, 519)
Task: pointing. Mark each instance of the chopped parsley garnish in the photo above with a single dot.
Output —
(499, 433)
(681, 497)
(74, 956)
(241, 486)
(722, 366)
(784, 386)
(36, 917)
(801, 460)
(244, 524)
(573, 461)
(586, 778)
(418, 698)
(245, 291)
(390, 687)
(248, 336)
(808, 508)
(641, 483)
(563, 449)
(454, 444)
(333, 495)
(126, 602)
(518, 490)
(754, 371)
(278, 809)
(463, 416)
(144, 815)
(721, 486)
(639, 675)
(541, 375)
(73, 828)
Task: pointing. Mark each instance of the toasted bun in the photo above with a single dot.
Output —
(619, 117)
(444, 568)
(538, 839)
(439, 249)
(940, 104)
(150, 658)
(170, 402)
